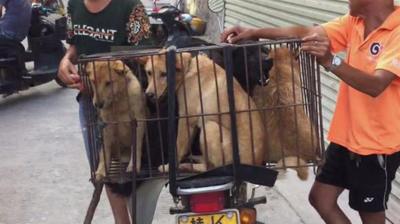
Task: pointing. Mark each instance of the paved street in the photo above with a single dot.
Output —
(45, 173)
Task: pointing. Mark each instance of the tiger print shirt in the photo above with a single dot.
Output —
(121, 22)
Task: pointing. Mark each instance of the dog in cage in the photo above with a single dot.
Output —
(120, 100)
(251, 64)
(202, 96)
(291, 138)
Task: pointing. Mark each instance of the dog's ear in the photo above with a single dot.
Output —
(119, 67)
(89, 70)
(183, 61)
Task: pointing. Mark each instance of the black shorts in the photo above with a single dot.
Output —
(368, 178)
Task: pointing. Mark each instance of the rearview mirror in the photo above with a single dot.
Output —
(216, 6)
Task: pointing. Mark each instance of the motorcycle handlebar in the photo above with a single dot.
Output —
(42, 10)
(166, 12)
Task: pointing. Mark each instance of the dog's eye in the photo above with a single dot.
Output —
(108, 83)
(163, 74)
(149, 73)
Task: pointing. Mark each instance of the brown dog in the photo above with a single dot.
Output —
(291, 138)
(201, 91)
(118, 96)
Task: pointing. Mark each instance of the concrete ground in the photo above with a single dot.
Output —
(45, 172)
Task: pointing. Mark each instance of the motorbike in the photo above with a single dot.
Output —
(218, 196)
(45, 50)
(171, 26)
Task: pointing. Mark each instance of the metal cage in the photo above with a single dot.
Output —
(234, 110)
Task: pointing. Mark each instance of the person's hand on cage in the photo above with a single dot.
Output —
(236, 34)
(68, 73)
(319, 46)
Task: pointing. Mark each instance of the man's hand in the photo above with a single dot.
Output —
(236, 34)
(319, 46)
(68, 73)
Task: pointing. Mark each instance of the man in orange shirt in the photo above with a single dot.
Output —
(364, 153)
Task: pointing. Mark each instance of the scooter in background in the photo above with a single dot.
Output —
(45, 50)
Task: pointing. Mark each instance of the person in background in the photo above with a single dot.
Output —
(363, 155)
(15, 22)
(94, 26)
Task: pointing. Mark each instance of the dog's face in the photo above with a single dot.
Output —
(108, 81)
(156, 72)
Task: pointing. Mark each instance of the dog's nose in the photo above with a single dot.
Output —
(99, 105)
(151, 96)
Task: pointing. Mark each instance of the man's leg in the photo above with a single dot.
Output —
(323, 197)
(373, 217)
(147, 194)
(119, 207)
(329, 184)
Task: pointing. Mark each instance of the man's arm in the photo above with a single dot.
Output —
(236, 34)
(1, 10)
(371, 84)
(280, 33)
(71, 54)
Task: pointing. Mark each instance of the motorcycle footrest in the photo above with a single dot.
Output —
(174, 210)
(256, 201)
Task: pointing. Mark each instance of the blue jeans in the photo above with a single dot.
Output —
(90, 130)
(7, 35)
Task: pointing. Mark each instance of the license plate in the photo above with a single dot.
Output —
(223, 217)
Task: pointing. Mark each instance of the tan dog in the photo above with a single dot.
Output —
(119, 98)
(299, 143)
(217, 149)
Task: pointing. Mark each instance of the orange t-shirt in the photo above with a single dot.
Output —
(361, 123)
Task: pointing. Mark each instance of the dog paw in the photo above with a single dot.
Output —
(129, 168)
(302, 173)
(163, 168)
(193, 167)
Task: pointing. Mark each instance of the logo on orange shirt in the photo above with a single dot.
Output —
(375, 48)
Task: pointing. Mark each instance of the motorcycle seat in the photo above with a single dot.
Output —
(12, 53)
(204, 185)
